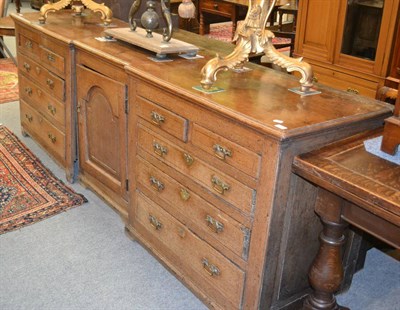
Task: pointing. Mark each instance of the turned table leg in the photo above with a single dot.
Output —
(326, 272)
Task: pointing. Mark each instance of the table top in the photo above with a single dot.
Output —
(348, 170)
(6, 23)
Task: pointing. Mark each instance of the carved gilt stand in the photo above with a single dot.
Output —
(252, 37)
(106, 13)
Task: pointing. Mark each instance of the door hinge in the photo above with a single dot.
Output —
(127, 185)
(126, 103)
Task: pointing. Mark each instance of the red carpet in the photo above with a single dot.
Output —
(223, 32)
(29, 192)
(8, 81)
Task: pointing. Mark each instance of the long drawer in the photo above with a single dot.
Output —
(42, 101)
(346, 82)
(52, 139)
(212, 224)
(209, 270)
(218, 183)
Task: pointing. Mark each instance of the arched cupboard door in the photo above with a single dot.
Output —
(102, 133)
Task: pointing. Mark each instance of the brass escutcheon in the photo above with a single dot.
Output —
(156, 118)
(188, 159)
(184, 193)
(50, 83)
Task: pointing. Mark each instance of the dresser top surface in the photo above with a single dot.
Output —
(258, 98)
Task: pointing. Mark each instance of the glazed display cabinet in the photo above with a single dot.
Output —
(350, 43)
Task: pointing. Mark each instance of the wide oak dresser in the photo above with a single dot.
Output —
(203, 181)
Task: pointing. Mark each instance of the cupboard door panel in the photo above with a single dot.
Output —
(102, 128)
(317, 35)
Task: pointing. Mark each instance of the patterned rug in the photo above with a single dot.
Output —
(223, 32)
(8, 81)
(29, 192)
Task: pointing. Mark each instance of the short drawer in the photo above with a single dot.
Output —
(52, 139)
(226, 151)
(162, 118)
(28, 42)
(195, 259)
(217, 7)
(42, 101)
(53, 60)
(219, 229)
(220, 184)
(50, 82)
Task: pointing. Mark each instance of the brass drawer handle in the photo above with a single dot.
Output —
(28, 44)
(155, 222)
(215, 6)
(28, 91)
(27, 67)
(159, 149)
(221, 152)
(52, 109)
(51, 57)
(219, 186)
(29, 118)
(38, 70)
(156, 184)
(188, 159)
(213, 224)
(211, 269)
(315, 79)
(156, 118)
(353, 90)
(184, 193)
(50, 83)
(52, 138)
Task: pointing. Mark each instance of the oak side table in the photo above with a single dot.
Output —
(354, 187)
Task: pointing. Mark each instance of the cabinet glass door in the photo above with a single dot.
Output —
(362, 27)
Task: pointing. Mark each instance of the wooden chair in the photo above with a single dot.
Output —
(7, 28)
(391, 133)
(283, 30)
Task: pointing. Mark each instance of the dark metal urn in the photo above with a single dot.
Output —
(149, 18)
